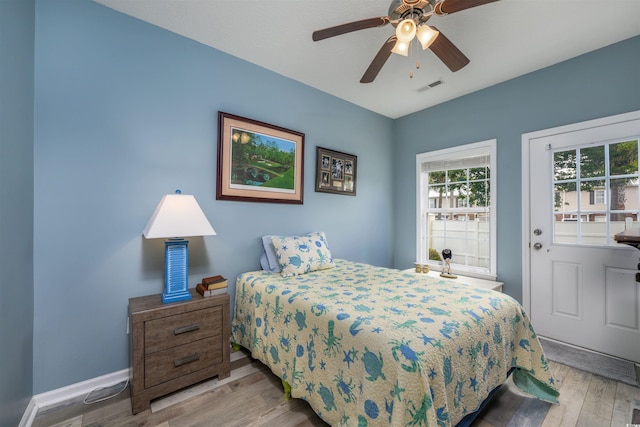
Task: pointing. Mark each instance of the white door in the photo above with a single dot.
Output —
(583, 189)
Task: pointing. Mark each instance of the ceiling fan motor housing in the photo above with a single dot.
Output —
(402, 9)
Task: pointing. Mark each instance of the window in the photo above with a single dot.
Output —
(597, 183)
(455, 207)
(598, 197)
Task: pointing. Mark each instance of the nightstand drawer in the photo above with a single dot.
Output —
(171, 331)
(175, 362)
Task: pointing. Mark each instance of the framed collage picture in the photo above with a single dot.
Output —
(335, 172)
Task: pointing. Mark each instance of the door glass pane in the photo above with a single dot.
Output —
(593, 232)
(618, 222)
(592, 162)
(618, 189)
(608, 200)
(566, 230)
(564, 165)
(590, 195)
(565, 197)
(623, 158)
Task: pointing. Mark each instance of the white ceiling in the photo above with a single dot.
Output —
(503, 40)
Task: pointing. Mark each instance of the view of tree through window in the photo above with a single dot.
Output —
(595, 192)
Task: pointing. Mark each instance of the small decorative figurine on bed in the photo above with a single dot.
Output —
(446, 266)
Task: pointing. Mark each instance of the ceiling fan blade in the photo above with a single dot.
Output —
(448, 52)
(349, 27)
(451, 6)
(379, 60)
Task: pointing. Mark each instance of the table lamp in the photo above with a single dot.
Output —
(177, 216)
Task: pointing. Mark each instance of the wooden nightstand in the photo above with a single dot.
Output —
(176, 345)
(481, 283)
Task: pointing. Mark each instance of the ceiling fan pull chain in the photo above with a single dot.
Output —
(411, 54)
(417, 52)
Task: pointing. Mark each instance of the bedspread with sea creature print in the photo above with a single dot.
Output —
(370, 346)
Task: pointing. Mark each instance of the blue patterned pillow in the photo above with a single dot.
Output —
(302, 254)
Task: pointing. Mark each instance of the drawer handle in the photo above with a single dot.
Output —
(184, 329)
(186, 360)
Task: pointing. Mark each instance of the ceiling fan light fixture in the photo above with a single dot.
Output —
(406, 30)
(426, 35)
(401, 48)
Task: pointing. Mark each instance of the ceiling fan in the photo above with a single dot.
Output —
(409, 17)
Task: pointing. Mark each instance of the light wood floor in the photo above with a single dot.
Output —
(253, 396)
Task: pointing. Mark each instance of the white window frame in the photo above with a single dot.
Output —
(487, 147)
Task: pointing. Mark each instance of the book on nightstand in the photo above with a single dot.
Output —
(202, 290)
(214, 282)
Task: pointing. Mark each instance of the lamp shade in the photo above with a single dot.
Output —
(178, 215)
(406, 30)
(426, 35)
(401, 48)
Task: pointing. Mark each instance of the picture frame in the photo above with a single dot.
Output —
(335, 172)
(258, 162)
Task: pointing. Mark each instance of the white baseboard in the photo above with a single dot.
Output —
(70, 392)
(73, 391)
(29, 414)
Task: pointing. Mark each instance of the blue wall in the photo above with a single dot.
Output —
(127, 112)
(16, 208)
(598, 84)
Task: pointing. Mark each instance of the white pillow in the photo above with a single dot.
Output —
(268, 259)
(302, 254)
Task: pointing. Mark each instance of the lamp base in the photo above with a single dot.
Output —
(175, 296)
(176, 264)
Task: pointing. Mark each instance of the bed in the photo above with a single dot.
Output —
(370, 346)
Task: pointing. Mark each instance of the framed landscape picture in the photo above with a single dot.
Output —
(335, 172)
(258, 162)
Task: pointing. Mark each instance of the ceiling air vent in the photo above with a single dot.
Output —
(430, 85)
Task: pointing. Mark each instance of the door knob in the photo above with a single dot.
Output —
(537, 246)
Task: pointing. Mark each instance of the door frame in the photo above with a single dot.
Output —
(527, 139)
